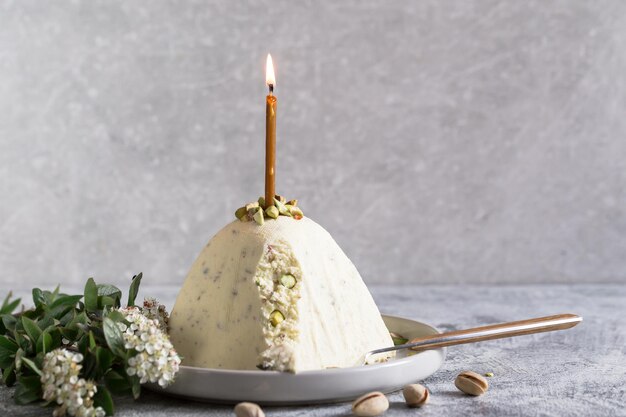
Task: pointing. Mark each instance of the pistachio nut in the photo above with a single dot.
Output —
(398, 339)
(280, 198)
(258, 216)
(415, 395)
(471, 383)
(295, 211)
(272, 212)
(248, 410)
(370, 405)
(241, 211)
(280, 206)
(252, 205)
(261, 201)
(276, 317)
(292, 202)
(288, 280)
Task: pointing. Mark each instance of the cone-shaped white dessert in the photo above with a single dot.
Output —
(280, 296)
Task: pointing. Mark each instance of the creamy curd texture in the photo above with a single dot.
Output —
(221, 318)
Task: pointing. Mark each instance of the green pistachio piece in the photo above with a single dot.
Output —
(258, 216)
(261, 201)
(398, 339)
(272, 212)
(280, 198)
(276, 317)
(280, 206)
(288, 280)
(295, 211)
(241, 211)
(292, 202)
(252, 205)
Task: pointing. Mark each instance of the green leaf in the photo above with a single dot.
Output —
(135, 386)
(103, 399)
(32, 330)
(66, 300)
(32, 366)
(91, 295)
(108, 289)
(115, 315)
(55, 334)
(79, 319)
(106, 301)
(23, 342)
(28, 389)
(8, 375)
(67, 317)
(44, 343)
(69, 334)
(53, 295)
(6, 359)
(90, 366)
(8, 306)
(9, 322)
(8, 344)
(111, 291)
(117, 383)
(114, 338)
(18, 358)
(8, 348)
(38, 298)
(105, 359)
(92, 341)
(45, 322)
(134, 289)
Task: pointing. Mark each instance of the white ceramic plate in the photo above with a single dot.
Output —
(310, 387)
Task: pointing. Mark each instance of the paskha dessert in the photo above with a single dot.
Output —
(275, 294)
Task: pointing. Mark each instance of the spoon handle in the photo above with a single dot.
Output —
(478, 334)
(496, 331)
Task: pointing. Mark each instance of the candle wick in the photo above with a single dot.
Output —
(271, 86)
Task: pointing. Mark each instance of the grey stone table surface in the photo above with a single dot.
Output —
(578, 372)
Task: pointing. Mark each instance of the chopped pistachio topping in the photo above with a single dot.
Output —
(282, 209)
(295, 211)
(489, 374)
(258, 216)
(241, 211)
(259, 213)
(398, 339)
(288, 280)
(272, 212)
(276, 317)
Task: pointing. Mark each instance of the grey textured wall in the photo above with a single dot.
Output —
(438, 141)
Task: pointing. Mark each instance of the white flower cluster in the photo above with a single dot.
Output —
(154, 310)
(156, 360)
(62, 385)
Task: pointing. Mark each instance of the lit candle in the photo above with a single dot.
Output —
(270, 134)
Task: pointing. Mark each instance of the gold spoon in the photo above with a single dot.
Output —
(479, 334)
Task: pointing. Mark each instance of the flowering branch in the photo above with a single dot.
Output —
(74, 351)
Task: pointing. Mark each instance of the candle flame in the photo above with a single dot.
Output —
(270, 79)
